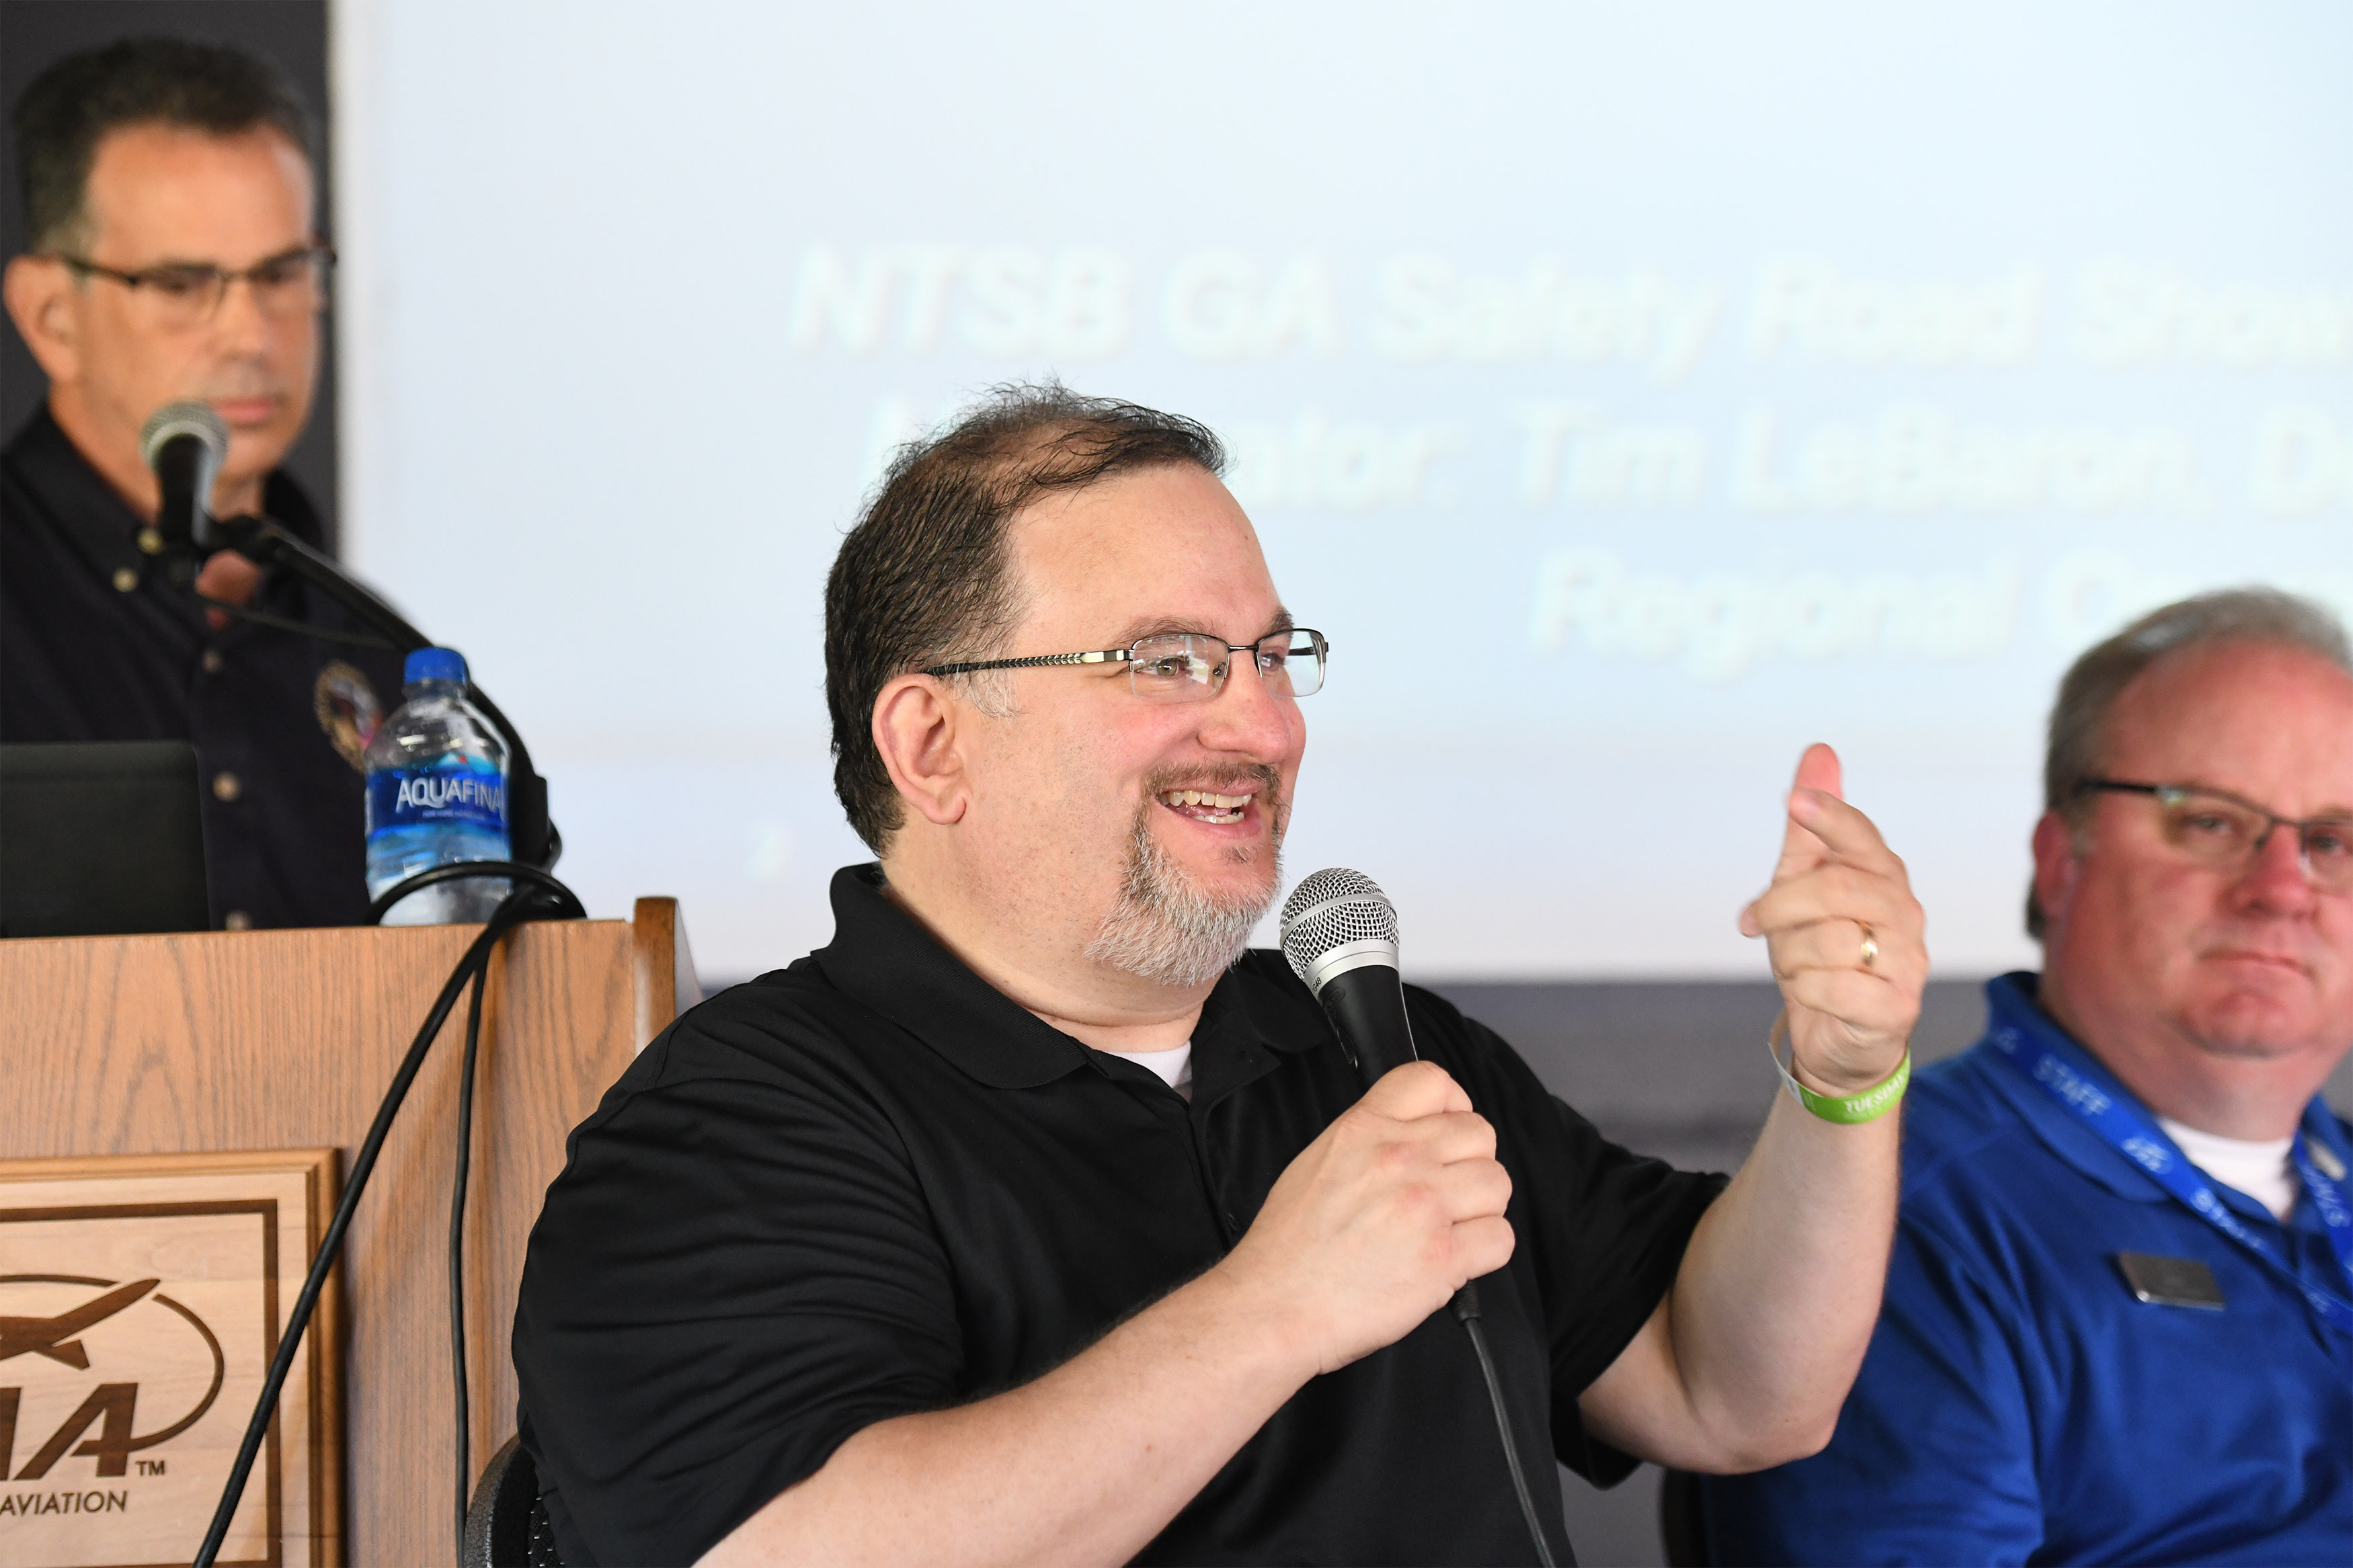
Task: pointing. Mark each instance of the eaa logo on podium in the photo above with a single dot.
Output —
(141, 1299)
(110, 1408)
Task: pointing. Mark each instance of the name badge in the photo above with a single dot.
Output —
(2170, 1282)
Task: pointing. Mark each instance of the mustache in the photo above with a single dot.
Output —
(1223, 778)
(1219, 779)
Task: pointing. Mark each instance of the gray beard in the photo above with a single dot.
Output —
(1164, 928)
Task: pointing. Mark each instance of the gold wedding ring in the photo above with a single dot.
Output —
(1870, 948)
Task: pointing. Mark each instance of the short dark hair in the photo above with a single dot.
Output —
(2078, 736)
(924, 576)
(69, 108)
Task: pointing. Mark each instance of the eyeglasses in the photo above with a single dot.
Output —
(2223, 831)
(188, 294)
(1190, 667)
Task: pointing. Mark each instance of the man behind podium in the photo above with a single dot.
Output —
(1033, 1220)
(173, 254)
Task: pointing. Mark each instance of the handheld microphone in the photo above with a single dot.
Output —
(1340, 935)
(186, 444)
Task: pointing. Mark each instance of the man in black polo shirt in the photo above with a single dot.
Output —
(168, 203)
(1033, 1219)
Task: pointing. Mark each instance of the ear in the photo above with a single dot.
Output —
(39, 290)
(917, 728)
(2056, 866)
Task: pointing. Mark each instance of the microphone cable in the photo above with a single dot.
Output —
(535, 839)
(1465, 1307)
(289, 623)
(461, 1400)
(1340, 936)
(538, 896)
(185, 444)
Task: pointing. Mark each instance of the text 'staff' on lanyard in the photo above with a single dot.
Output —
(2060, 1068)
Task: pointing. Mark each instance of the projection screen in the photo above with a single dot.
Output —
(1632, 393)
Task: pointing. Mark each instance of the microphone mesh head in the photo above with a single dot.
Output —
(1330, 907)
(184, 418)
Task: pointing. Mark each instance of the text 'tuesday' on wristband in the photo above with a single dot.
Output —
(1871, 1104)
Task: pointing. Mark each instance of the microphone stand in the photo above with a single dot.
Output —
(532, 839)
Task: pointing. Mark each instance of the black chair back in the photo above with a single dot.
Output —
(1683, 1527)
(506, 1524)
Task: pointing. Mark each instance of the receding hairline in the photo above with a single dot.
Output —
(1147, 622)
(186, 130)
(2174, 661)
(88, 220)
(2170, 664)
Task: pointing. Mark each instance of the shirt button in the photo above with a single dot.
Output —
(226, 787)
(211, 661)
(125, 578)
(236, 920)
(150, 543)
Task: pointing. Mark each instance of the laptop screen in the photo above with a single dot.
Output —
(100, 839)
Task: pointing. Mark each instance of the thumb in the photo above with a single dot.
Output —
(1818, 769)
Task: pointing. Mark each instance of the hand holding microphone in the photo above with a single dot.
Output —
(1401, 1201)
(1403, 1194)
(1383, 1217)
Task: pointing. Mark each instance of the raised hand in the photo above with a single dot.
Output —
(1844, 934)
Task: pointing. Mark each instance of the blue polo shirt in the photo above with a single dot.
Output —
(2019, 1405)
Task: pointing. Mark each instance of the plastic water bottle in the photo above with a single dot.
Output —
(437, 792)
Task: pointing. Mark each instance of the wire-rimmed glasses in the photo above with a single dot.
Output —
(1189, 667)
(2217, 828)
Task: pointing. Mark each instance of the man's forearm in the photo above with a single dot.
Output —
(1747, 1360)
(1085, 1465)
(1774, 1302)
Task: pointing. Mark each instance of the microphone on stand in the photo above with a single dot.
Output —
(184, 443)
(1340, 936)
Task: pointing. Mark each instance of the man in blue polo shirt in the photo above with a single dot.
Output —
(2118, 1325)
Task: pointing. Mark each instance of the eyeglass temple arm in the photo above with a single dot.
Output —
(1103, 655)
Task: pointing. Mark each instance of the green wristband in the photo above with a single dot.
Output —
(1868, 1106)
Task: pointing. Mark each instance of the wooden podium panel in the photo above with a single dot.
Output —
(252, 1041)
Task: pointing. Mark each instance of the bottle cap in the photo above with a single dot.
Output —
(433, 664)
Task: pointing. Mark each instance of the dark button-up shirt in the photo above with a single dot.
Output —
(98, 643)
(871, 1184)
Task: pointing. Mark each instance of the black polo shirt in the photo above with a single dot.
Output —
(871, 1184)
(97, 642)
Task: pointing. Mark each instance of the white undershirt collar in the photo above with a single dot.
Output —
(1175, 1066)
(2259, 1169)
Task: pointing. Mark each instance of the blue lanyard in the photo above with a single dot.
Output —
(2035, 1047)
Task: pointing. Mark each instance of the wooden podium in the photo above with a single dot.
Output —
(266, 1040)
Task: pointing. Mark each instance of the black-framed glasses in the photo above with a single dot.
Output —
(2217, 828)
(188, 293)
(1190, 667)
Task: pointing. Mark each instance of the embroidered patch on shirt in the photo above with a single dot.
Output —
(348, 711)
